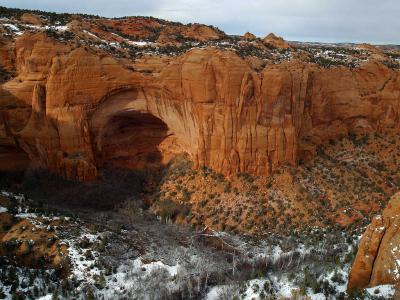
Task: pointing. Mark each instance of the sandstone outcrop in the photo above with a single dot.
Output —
(32, 19)
(248, 36)
(378, 256)
(275, 41)
(162, 31)
(377, 54)
(75, 110)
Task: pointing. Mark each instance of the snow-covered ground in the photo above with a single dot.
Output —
(19, 29)
(283, 288)
(87, 270)
(386, 291)
(285, 267)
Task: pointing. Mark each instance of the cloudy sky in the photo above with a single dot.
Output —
(374, 21)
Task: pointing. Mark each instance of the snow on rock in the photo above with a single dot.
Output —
(58, 28)
(139, 43)
(385, 291)
(26, 215)
(3, 209)
(91, 34)
(14, 28)
(47, 297)
(11, 26)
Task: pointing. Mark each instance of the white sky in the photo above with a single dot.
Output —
(374, 21)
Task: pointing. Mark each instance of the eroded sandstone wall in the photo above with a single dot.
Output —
(378, 258)
(221, 112)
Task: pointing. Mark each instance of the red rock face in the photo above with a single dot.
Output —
(153, 29)
(275, 41)
(88, 110)
(378, 257)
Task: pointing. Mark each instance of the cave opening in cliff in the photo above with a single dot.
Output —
(13, 158)
(13, 163)
(135, 140)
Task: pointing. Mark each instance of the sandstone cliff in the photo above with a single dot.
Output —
(74, 109)
(377, 260)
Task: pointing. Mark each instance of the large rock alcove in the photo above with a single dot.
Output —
(129, 133)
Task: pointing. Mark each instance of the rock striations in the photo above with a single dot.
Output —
(75, 109)
(378, 258)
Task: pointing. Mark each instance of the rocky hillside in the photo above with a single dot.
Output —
(344, 185)
(77, 90)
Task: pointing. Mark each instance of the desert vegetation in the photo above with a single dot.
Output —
(344, 185)
(107, 35)
(109, 253)
(304, 223)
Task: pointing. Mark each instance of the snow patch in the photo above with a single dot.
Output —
(386, 291)
(13, 28)
(27, 215)
(91, 34)
(139, 43)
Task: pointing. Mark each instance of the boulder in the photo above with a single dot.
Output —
(378, 258)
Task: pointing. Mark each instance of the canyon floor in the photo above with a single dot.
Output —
(112, 255)
(153, 234)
